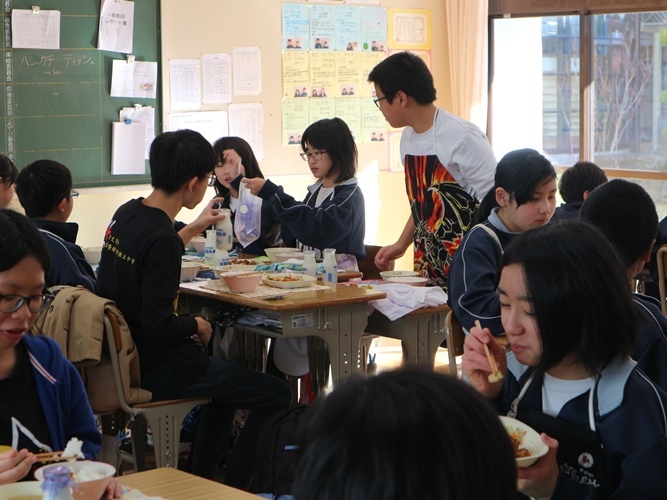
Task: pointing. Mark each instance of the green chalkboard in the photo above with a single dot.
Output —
(56, 104)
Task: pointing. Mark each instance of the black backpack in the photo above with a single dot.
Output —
(277, 452)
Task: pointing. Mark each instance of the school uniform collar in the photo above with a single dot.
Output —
(68, 231)
(314, 187)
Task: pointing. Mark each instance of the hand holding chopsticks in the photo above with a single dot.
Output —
(495, 374)
(52, 456)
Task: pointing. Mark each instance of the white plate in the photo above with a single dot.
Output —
(531, 441)
(302, 280)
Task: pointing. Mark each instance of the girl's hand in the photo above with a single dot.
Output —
(539, 480)
(113, 490)
(475, 364)
(255, 184)
(15, 465)
(233, 162)
(386, 255)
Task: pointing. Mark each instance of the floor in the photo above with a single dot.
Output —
(388, 355)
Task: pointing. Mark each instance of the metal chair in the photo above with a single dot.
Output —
(164, 417)
(661, 259)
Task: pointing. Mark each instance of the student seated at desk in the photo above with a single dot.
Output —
(140, 271)
(404, 434)
(44, 189)
(626, 214)
(235, 161)
(43, 403)
(8, 174)
(523, 197)
(574, 186)
(571, 326)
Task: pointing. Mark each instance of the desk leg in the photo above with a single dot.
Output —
(341, 328)
(427, 334)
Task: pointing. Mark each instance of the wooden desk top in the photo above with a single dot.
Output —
(178, 485)
(342, 295)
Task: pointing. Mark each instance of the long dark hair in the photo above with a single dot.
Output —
(248, 159)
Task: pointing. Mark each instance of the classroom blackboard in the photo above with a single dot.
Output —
(56, 104)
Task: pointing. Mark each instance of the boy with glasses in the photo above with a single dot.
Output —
(44, 189)
(448, 162)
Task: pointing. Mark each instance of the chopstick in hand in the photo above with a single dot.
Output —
(495, 374)
(52, 456)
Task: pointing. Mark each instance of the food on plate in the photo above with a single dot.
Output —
(244, 262)
(73, 449)
(516, 437)
(285, 278)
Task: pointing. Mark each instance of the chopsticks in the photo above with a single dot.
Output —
(495, 374)
(52, 456)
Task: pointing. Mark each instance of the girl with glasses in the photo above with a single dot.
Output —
(33, 371)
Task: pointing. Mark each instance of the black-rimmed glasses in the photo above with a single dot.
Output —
(377, 101)
(315, 155)
(36, 303)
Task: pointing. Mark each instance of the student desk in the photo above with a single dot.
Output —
(422, 331)
(337, 316)
(178, 485)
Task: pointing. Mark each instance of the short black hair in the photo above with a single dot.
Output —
(626, 214)
(176, 157)
(248, 160)
(407, 72)
(408, 433)
(41, 186)
(579, 293)
(581, 177)
(20, 238)
(519, 172)
(333, 136)
(8, 171)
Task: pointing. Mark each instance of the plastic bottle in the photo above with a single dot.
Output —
(330, 268)
(221, 258)
(224, 231)
(56, 485)
(309, 266)
(209, 248)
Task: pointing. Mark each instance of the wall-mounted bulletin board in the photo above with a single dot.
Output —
(56, 103)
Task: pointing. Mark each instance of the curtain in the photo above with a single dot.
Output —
(467, 32)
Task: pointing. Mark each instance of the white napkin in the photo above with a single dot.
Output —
(402, 299)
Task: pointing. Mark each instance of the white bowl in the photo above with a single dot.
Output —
(271, 252)
(86, 489)
(530, 440)
(408, 280)
(198, 243)
(394, 274)
(27, 490)
(189, 270)
(92, 255)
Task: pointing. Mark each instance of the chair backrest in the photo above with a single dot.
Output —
(115, 382)
(455, 337)
(368, 267)
(661, 260)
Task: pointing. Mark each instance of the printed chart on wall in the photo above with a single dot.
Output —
(72, 69)
(328, 52)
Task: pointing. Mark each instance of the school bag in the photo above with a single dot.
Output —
(277, 453)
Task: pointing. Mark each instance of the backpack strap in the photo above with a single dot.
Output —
(491, 233)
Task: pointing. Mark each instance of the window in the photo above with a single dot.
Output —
(589, 86)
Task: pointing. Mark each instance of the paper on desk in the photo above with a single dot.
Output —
(35, 29)
(116, 26)
(403, 299)
(134, 79)
(135, 494)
